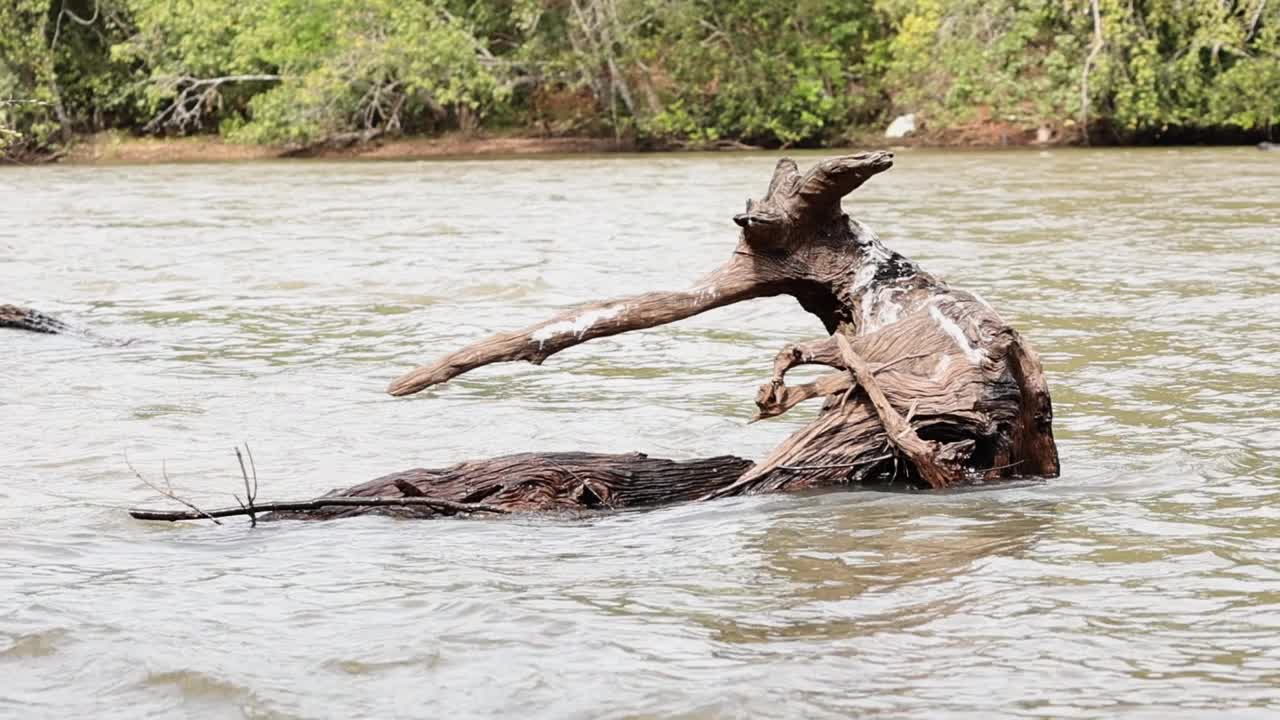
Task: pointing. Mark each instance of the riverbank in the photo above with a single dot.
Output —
(117, 148)
(109, 148)
(121, 148)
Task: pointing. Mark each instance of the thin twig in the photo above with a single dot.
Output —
(196, 513)
(252, 467)
(251, 493)
(1002, 467)
(317, 504)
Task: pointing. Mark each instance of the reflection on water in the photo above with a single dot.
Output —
(271, 303)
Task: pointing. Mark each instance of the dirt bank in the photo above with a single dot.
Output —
(109, 148)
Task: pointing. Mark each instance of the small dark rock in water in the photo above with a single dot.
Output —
(20, 318)
(1268, 146)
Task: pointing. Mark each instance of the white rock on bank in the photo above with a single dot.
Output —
(902, 126)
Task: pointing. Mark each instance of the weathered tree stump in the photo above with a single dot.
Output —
(932, 388)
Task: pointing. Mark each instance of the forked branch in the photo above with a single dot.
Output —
(795, 205)
(194, 98)
(167, 491)
(832, 179)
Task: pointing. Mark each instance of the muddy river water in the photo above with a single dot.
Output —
(271, 303)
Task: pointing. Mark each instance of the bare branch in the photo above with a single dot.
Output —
(194, 97)
(167, 491)
(250, 506)
(813, 352)
(251, 493)
(316, 504)
(832, 179)
(795, 204)
(732, 283)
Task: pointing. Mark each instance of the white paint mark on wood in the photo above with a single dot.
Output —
(868, 302)
(576, 326)
(879, 308)
(890, 310)
(975, 355)
(864, 276)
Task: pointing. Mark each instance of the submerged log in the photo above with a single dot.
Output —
(930, 387)
(20, 318)
(542, 482)
(23, 318)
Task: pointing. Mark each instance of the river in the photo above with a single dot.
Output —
(270, 303)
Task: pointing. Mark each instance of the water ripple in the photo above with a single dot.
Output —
(1141, 584)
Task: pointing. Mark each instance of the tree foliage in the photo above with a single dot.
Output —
(1161, 65)
(758, 71)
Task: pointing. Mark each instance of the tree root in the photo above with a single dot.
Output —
(940, 465)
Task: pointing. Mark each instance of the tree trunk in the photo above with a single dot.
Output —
(931, 388)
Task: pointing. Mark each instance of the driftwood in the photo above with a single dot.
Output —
(930, 387)
(20, 318)
(567, 482)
